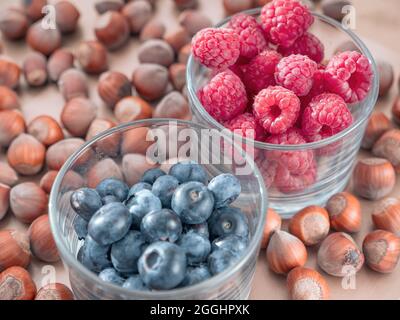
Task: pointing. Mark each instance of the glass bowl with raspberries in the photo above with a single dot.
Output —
(275, 77)
(154, 209)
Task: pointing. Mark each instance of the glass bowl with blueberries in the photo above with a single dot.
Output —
(300, 100)
(159, 209)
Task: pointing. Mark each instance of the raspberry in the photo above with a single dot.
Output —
(276, 109)
(285, 21)
(297, 162)
(245, 124)
(251, 36)
(295, 73)
(317, 88)
(224, 97)
(349, 74)
(308, 45)
(268, 170)
(216, 48)
(326, 115)
(288, 182)
(258, 74)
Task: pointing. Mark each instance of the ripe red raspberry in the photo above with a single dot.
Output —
(288, 182)
(297, 162)
(268, 170)
(251, 35)
(285, 20)
(276, 109)
(349, 74)
(308, 45)
(258, 74)
(224, 97)
(216, 48)
(317, 88)
(326, 115)
(295, 73)
(246, 125)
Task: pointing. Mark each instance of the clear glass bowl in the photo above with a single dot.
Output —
(117, 150)
(334, 157)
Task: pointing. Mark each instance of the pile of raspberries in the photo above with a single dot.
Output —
(270, 84)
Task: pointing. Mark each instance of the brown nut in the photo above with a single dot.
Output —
(92, 57)
(14, 249)
(395, 110)
(112, 29)
(378, 124)
(136, 141)
(150, 80)
(108, 145)
(154, 29)
(67, 16)
(77, 115)
(16, 284)
(60, 61)
(132, 108)
(184, 53)
(235, 6)
(273, 223)
(41, 240)
(178, 38)
(173, 105)
(177, 74)
(12, 124)
(8, 99)
(72, 84)
(35, 69)
(386, 215)
(72, 180)
(4, 198)
(344, 212)
(59, 152)
(307, 284)
(388, 146)
(113, 86)
(137, 13)
(333, 8)
(8, 175)
(28, 201)
(103, 6)
(34, 8)
(46, 130)
(54, 291)
(43, 40)
(134, 165)
(47, 181)
(193, 21)
(156, 51)
(186, 4)
(386, 77)
(9, 73)
(106, 168)
(13, 24)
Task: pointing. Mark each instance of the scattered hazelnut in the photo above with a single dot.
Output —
(59, 152)
(34, 8)
(344, 211)
(106, 168)
(378, 124)
(72, 84)
(28, 201)
(35, 69)
(235, 6)
(184, 53)
(4, 199)
(386, 215)
(177, 74)
(136, 140)
(102, 6)
(347, 46)
(43, 40)
(54, 291)
(9, 73)
(333, 8)
(386, 77)
(178, 38)
(112, 29)
(186, 4)
(8, 99)
(307, 284)
(113, 86)
(8, 175)
(77, 115)
(373, 178)
(26, 154)
(60, 61)
(72, 180)
(395, 110)
(41, 240)
(67, 16)
(108, 145)
(12, 124)
(132, 108)
(150, 80)
(388, 146)
(273, 223)
(137, 13)
(46, 183)
(382, 251)
(133, 167)
(193, 21)
(173, 105)
(14, 249)
(154, 29)
(16, 284)
(92, 57)
(13, 24)
(46, 130)
(156, 51)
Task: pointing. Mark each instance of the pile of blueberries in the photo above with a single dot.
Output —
(167, 231)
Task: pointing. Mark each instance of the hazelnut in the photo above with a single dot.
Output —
(193, 21)
(395, 110)
(9, 73)
(72, 84)
(344, 212)
(15, 249)
(150, 80)
(60, 61)
(307, 284)
(43, 40)
(186, 4)
(378, 124)
(154, 29)
(388, 146)
(273, 223)
(12, 124)
(102, 6)
(13, 24)
(4, 199)
(137, 13)
(67, 16)
(112, 29)
(35, 69)
(177, 74)
(28, 201)
(41, 240)
(34, 9)
(106, 168)
(8, 175)
(333, 8)
(132, 108)
(108, 145)
(156, 51)
(185, 53)
(178, 38)
(136, 140)
(235, 6)
(16, 284)
(133, 167)
(46, 130)
(59, 152)
(261, 3)
(92, 57)
(113, 86)
(386, 215)
(46, 183)
(8, 99)
(173, 105)
(72, 180)
(386, 77)
(77, 115)
(373, 178)
(54, 291)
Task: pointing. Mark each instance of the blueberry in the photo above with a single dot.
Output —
(162, 225)
(201, 228)
(94, 256)
(135, 283)
(109, 199)
(151, 175)
(113, 187)
(143, 203)
(196, 247)
(110, 223)
(80, 227)
(162, 265)
(226, 188)
(228, 220)
(188, 171)
(193, 202)
(137, 188)
(86, 202)
(232, 243)
(126, 252)
(195, 275)
(219, 260)
(164, 187)
(111, 275)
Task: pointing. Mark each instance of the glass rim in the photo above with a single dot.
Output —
(213, 282)
(371, 97)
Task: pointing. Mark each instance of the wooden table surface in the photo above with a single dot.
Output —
(377, 24)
